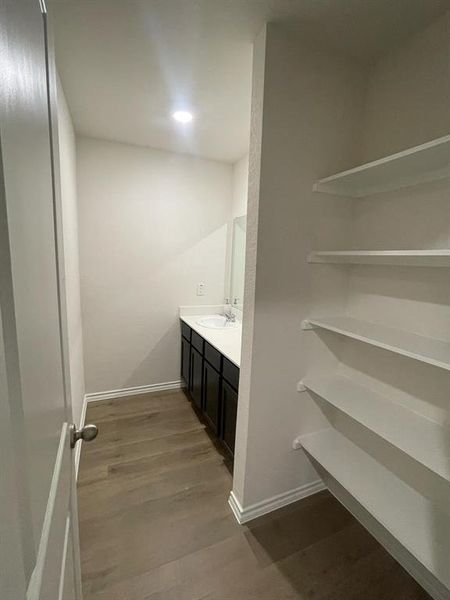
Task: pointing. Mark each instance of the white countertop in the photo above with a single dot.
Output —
(226, 341)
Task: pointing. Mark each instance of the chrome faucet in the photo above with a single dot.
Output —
(230, 316)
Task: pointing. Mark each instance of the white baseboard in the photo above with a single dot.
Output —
(244, 515)
(80, 444)
(134, 391)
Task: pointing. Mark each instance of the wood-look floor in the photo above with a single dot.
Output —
(155, 522)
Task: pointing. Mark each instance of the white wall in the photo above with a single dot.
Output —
(242, 442)
(67, 164)
(331, 116)
(239, 198)
(409, 93)
(314, 115)
(240, 187)
(407, 104)
(152, 225)
(306, 112)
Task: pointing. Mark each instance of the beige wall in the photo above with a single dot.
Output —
(67, 159)
(152, 225)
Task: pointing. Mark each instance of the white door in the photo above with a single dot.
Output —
(39, 554)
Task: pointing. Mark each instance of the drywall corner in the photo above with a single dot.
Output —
(254, 175)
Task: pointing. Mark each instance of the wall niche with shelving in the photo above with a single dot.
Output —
(379, 341)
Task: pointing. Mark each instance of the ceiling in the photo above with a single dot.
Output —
(126, 65)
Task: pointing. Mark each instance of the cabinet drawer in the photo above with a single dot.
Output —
(185, 331)
(230, 372)
(213, 356)
(197, 341)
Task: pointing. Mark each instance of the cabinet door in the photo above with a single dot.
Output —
(211, 396)
(196, 379)
(229, 415)
(185, 360)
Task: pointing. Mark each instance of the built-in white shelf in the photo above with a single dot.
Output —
(424, 440)
(421, 164)
(409, 258)
(428, 350)
(407, 515)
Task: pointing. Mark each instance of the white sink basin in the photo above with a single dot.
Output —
(216, 322)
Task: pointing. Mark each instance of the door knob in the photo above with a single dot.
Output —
(86, 433)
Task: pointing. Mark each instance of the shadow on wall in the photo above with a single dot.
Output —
(167, 348)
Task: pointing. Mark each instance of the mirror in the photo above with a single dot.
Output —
(238, 261)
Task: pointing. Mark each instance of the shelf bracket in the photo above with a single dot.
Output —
(301, 387)
(296, 444)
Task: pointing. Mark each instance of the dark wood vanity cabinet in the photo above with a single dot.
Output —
(211, 397)
(212, 383)
(185, 360)
(196, 378)
(229, 402)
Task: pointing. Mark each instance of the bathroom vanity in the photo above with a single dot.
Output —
(210, 369)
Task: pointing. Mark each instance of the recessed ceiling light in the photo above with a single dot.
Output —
(183, 116)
